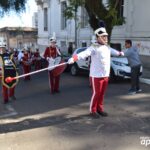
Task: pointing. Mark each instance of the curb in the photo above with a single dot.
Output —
(144, 80)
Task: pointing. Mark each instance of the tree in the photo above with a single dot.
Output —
(8, 5)
(71, 12)
(97, 10)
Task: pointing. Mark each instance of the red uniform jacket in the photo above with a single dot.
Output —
(26, 59)
(51, 52)
(36, 54)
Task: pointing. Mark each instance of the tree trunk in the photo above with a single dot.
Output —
(97, 11)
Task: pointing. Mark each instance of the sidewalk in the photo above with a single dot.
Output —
(146, 76)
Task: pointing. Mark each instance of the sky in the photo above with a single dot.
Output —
(23, 19)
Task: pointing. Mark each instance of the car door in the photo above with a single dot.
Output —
(83, 63)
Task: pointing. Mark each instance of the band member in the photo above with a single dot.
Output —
(100, 54)
(50, 54)
(26, 63)
(15, 55)
(8, 69)
(37, 59)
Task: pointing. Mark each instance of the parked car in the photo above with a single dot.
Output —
(65, 57)
(119, 66)
(80, 65)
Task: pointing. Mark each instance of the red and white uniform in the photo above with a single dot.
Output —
(99, 72)
(26, 63)
(52, 52)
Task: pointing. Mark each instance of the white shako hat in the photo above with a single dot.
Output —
(52, 39)
(101, 30)
(2, 44)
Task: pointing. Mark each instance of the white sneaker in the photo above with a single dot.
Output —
(139, 90)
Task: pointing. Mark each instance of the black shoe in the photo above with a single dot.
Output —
(57, 91)
(132, 92)
(94, 115)
(102, 113)
(13, 98)
(52, 92)
(5, 102)
(138, 90)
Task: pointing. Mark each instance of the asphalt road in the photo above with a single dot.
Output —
(38, 120)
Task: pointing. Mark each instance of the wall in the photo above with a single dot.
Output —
(54, 25)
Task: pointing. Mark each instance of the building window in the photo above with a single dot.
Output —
(84, 18)
(63, 17)
(45, 19)
(84, 44)
(116, 46)
(120, 8)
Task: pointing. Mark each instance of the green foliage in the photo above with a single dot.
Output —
(12, 5)
(97, 11)
(69, 12)
(112, 13)
(72, 8)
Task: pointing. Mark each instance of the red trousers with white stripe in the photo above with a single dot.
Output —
(7, 93)
(99, 86)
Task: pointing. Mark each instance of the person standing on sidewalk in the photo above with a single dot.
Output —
(8, 70)
(100, 54)
(132, 54)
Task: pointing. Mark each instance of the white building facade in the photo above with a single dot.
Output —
(35, 20)
(136, 27)
(51, 20)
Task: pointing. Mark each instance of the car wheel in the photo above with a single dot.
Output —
(74, 70)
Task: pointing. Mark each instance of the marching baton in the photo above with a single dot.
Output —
(10, 79)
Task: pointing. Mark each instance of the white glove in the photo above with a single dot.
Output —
(121, 54)
(51, 63)
(49, 58)
(52, 59)
(70, 61)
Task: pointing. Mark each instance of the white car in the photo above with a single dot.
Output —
(80, 65)
(119, 66)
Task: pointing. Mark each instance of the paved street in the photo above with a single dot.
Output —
(38, 120)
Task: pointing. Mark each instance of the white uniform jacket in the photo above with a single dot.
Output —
(100, 59)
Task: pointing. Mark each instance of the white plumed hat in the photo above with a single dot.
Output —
(52, 39)
(101, 30)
